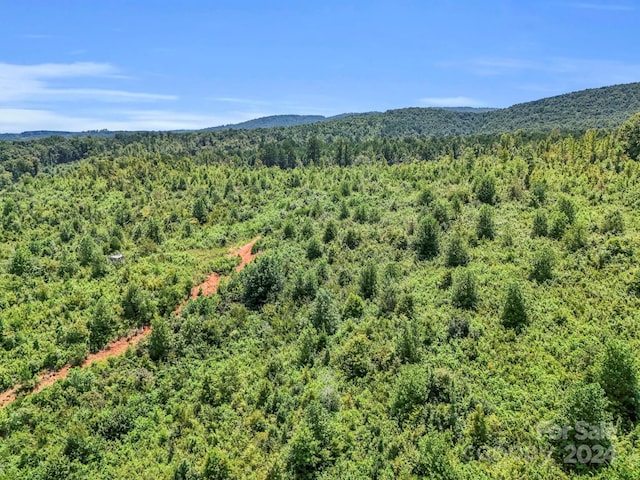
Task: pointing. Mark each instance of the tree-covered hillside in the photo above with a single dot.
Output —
(420, 308)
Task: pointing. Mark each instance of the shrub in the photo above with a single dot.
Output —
(464, 293)
(514, 312)
(428, 238)
(485, 227)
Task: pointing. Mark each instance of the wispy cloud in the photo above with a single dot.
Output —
(34, 36)
(17, 120)
(41, 82)
(237, 100)
(566, 69)
(452, 102)
(602, 6)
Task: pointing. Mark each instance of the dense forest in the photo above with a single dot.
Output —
(422, 306)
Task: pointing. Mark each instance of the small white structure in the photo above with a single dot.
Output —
(117, 258)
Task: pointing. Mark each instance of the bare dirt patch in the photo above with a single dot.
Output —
(120, 346)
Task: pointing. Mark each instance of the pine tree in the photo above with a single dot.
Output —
(457, 255)
(368, 281)
(464, 291)
(428, 238)
(485, 227)
(159, 344)
(514, 313)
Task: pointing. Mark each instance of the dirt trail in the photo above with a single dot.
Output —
(120, 346)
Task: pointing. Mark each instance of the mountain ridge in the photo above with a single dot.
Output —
(596, 108)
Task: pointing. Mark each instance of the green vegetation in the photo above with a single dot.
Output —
(405, 318)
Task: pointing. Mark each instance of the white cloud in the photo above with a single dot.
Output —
(36, 83)
(452, 102)
(603, 7)
(17, 120)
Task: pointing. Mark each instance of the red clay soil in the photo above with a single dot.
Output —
(120, 346)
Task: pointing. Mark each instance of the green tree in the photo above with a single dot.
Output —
(324, 315)
(464, 293)
(542, 267)
(353, 306)
(216, 466)
(411, 391)
(559, 224)
(456, 255)
(21, 263)
(368, 281)
(540, 228)
(408, 342)
(261, 281)
(87, 250)
(629, 137)
(486, 189)
(514, 312)
(200, 210)
(314, 249)
(566, 206)
(314, 149)
(478, 430)
(159, 340)
(585, 409)
(613, 223)
(619, 379)
(485, 227)
(101, 324)
(330, 232)
(428, 238)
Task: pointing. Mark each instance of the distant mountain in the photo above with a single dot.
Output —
(599, 108)
(271, 122)
(36, 134)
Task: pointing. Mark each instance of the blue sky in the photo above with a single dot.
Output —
(156, 65)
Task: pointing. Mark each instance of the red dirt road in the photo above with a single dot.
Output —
(120, 346)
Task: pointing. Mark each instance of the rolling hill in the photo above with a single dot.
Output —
(597, 108)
